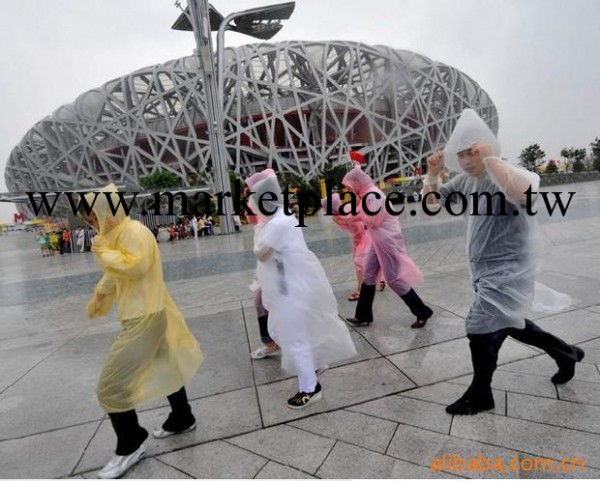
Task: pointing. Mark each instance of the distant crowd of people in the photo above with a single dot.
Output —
(63, 241)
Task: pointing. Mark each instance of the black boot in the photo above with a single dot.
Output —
(565, 355)
(130, 435)
(364, 309)
(418, 308)
(484, 357)
(180, 418)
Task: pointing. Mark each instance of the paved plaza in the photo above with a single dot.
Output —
(382, 415)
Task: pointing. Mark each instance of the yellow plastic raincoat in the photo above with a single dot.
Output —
(155, 354)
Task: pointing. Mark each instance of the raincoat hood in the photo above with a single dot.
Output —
(107, 220)
(469, 130)
(258, 176)
(358, 181)
(269, 185)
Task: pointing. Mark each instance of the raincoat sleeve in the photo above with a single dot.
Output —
(134, 256)
(270, 237)
(374, 201)
(512, 181)
(103, 297)
(349, 223)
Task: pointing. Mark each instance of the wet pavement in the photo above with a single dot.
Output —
(382, 415)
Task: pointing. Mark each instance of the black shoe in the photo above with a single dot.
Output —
(302, 399)
(178, 424)
(467, 406)
(358, 322)
(420, 322)
(566, 369)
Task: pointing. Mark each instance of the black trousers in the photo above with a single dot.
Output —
(485, 349)
(130, 435)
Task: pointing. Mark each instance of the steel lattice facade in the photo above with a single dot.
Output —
(292, 106)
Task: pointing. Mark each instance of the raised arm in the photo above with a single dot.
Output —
(513, 181)
(431, 182)
(133, 259)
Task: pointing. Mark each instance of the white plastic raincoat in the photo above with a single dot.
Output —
(303, 316)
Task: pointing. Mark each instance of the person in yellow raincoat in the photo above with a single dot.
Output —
(155, 354)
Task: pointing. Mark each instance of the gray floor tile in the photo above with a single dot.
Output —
(288, 446)
(48, 455)
(413, 412)
(215, 460)
(558, 413)
(275, 470)
(533, 438)
(574, 326)
(390, 335)
(64, 384)
(351, 427)
(346, 461)
(580, 391)
(16, 361)
(427, 448)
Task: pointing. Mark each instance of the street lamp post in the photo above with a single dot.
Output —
(262, 23)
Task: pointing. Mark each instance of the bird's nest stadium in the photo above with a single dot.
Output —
(293, 106)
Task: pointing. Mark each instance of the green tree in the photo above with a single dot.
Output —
(531, 157)
(160, 179)
(596, 154)
(573, 156)
(334, 174)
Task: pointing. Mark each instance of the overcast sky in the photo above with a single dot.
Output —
(538, 59)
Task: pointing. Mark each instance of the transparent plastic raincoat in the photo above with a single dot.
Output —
(155, 354)
(303, 316)
(503, 242)
(399, 270)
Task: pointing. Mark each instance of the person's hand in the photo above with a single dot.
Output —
(435, 163)
(95, 306)
(484, 150)
(99, 244)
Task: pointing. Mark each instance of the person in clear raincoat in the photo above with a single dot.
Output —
(361, 242)
(387, 252)
(502, 249)
(303, 317)
(155, 354)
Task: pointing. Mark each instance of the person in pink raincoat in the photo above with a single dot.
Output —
(388, 253)
(361, 242)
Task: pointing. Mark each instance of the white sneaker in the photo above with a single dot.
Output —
(119, 465)
(160, 433)
(265, 351)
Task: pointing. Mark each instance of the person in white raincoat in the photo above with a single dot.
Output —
(502, 250)
(268, 347)
(155, 354)
(303, 317)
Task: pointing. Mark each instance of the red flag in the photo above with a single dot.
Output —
(357, 156)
